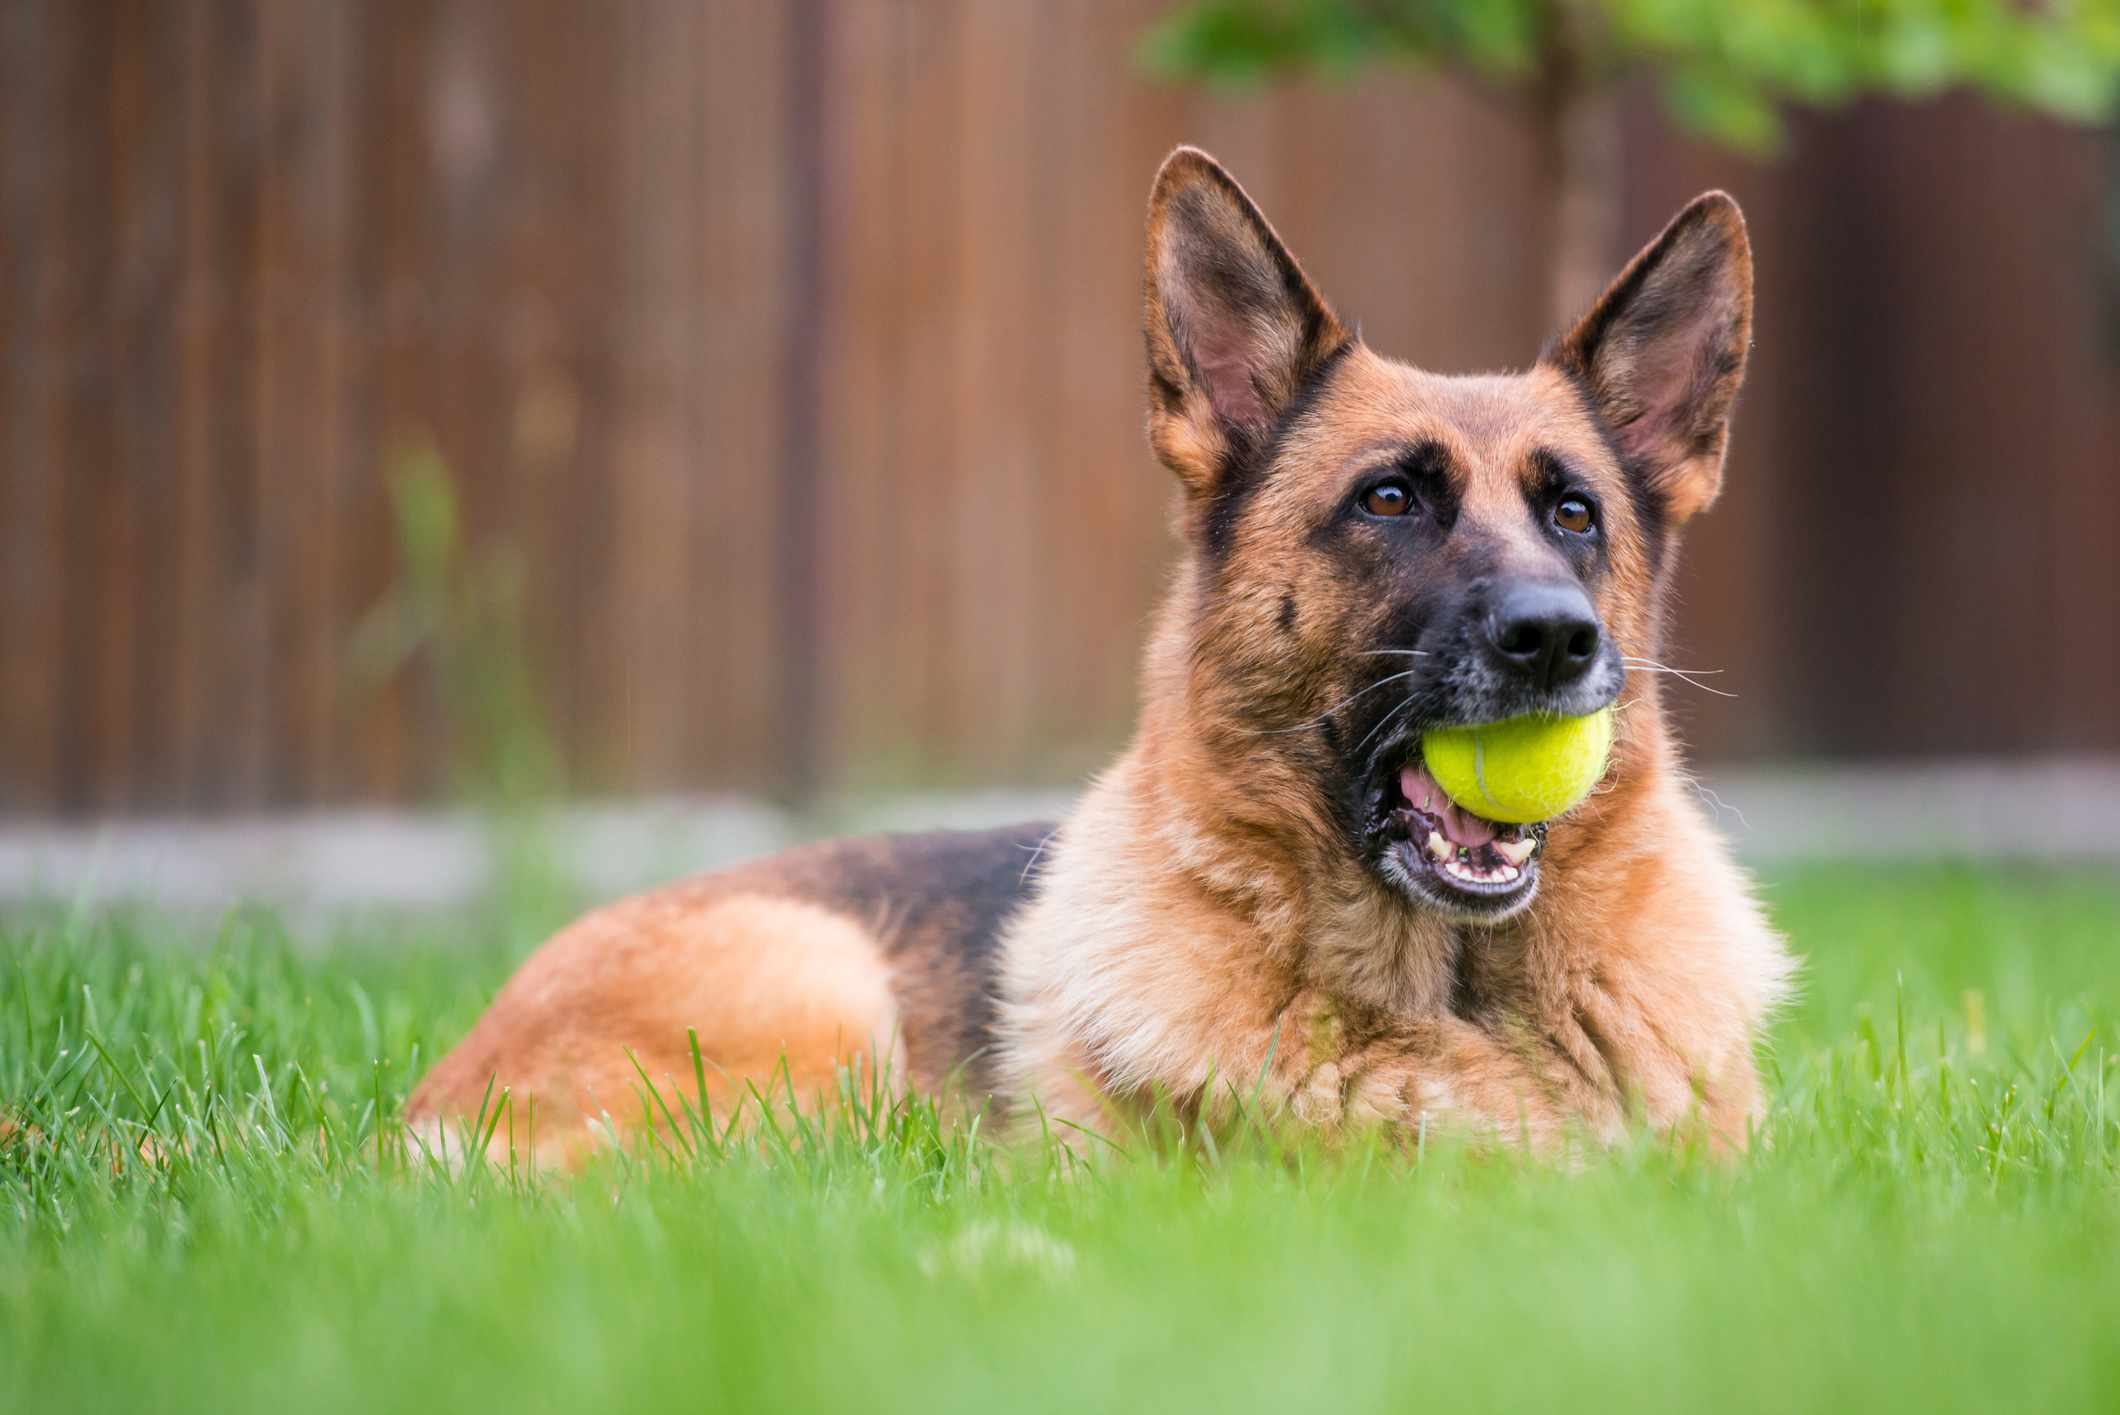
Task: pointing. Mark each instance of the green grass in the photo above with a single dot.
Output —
(1933, 1221)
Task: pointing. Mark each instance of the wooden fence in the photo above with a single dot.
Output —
(793, 349)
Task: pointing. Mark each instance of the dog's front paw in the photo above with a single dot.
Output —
(1398, 1093)
(1319, 1099)
(1339, 1098)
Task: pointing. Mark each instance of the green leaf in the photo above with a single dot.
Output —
(1724, 109)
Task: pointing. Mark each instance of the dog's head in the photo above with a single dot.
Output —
(1374, 550)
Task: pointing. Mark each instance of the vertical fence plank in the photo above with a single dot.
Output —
(931, 244)
(997, 497)
(294, 315)
(144, 334)
(864, 564)
(558, 200)
(222, 686)
(390, 244)
(101, 527)
(30, 125)
(799, 359)
(657, 159)
(734, 734)
(307, 464)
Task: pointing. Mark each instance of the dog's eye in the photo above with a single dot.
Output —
(1574, 515)
(1388, 498)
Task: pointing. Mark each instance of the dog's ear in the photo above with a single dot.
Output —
(1235, 331)
(1662, 353)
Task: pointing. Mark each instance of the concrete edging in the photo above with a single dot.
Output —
(2059, 811)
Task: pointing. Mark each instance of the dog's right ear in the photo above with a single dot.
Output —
(1235, 330)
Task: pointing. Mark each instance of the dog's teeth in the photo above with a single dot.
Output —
(1438, 847)
(1515, 851)
(1458, 866)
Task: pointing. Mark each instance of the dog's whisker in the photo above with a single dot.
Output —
(1719, 805)
(1688, 676)
(1404, 707)
(1633, 660)
(1383, 682)
(1037, 853)
(1309, 722)
(1385, 653)
(1690, 682)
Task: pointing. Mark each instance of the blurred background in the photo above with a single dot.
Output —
(408, 403)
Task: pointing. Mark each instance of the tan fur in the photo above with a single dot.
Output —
(781, 993)
(1201, 928)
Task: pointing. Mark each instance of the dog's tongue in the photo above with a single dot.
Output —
(1461, 826)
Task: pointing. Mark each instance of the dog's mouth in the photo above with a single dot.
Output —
(1442, 854)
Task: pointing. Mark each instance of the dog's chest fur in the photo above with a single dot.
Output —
(1168, 963)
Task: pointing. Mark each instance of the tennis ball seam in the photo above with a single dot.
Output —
(1479, 769)
(1543, 765)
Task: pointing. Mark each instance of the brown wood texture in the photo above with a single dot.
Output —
(618, 266)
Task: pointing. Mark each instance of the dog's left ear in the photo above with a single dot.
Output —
(1235, 330)
(1662, 353)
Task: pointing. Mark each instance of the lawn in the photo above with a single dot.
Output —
(1931, 1222)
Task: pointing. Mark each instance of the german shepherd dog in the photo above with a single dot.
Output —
(1266, 900)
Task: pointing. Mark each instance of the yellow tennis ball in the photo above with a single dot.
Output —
(1523, 769)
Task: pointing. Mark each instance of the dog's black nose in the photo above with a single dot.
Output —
(1546, 631)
